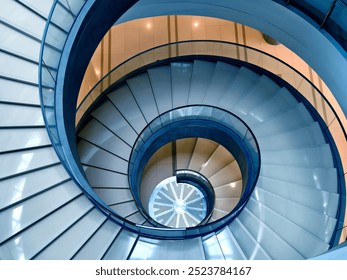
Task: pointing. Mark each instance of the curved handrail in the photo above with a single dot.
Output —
(229, 50)
(237, 138)
(54, 38)
(47, 88)
(332, 22)
(93, 93)
(241, 133)
(53, 41)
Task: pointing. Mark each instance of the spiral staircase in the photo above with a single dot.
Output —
(292, 212)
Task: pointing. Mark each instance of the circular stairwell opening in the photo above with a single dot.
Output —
(201, 151)
(190, 182)
(178, 205)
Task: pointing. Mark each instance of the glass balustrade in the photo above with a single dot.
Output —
(331, 15)
(328, 14)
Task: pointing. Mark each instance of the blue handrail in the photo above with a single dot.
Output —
(47, 87)
(159, 49)
(46, 78)
(328, 14)
(220, 126)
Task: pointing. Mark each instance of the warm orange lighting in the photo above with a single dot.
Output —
(196, 24)
(149, 25)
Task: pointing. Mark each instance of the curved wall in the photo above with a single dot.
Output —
(312, 44)
(271, 18)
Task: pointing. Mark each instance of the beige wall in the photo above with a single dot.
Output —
(126, 40)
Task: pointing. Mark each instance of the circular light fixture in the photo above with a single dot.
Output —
(177, 205)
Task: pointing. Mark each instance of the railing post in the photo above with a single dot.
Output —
(331, 9)
(69, 7)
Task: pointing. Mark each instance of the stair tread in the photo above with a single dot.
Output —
(307, 136)
(99, 135)
(181, 73)
(319, 178)
(222, 77)
(184, 150)
(48, 229)
(315, 222)
(113, 196)
(26, 161)
(262, 90)
(242, 82)
(126, 104)
(294, 118)
(70, 242)
(104, 178)
(327, 202)
(304, 242)
(17, 92)
(277, 105)
(250, 247)
(101, 239)
(226, 175)
(273, 244)
(106, 114)
(152, 249)
(22, 187)
(309, 157)
(48, 201)
(94, 156)
(231, 250)
(16, 139)
(121, 246)
(125, 209)
(160, 78)
(203, 150)
(141, 89)
(200, 80)
(218, 160)
(212, 248)
(30, 116)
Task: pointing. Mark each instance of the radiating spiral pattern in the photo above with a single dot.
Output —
(177, 205)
